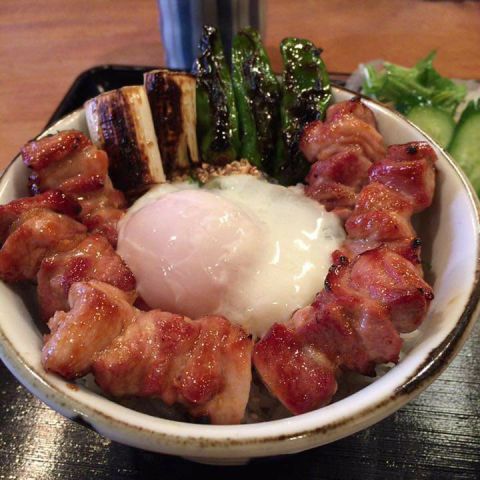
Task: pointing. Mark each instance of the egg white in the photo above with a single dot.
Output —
(259, 255)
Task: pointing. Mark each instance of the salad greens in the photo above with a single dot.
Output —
(431, 101)
(410, 87)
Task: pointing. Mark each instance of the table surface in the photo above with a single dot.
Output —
(45, 45)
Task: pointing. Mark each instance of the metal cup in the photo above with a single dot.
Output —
(181, 23)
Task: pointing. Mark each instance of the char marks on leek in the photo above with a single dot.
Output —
(120, 122)
(217, 123)
(306, 95)
(172, 102)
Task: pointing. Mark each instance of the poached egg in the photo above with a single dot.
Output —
(239, 246)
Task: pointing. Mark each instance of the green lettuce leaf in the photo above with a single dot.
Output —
(406, 88)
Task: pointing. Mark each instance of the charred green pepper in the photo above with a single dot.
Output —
(305, 97)
(257, 95)
(217, 123)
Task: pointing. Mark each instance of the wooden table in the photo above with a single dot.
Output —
(45, 45)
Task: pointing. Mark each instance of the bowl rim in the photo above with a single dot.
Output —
(245, 439)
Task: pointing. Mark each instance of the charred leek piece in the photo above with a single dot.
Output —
(217, 124)
(120, 122)
(172, 102)
(257, 95)
(305, 98)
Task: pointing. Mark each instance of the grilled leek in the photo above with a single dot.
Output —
(120, 122)
(172, 101)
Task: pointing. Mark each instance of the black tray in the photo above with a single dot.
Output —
(436, 436)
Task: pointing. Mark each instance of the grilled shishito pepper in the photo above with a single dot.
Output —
(257, 96)
(305, 97)
(217, 123)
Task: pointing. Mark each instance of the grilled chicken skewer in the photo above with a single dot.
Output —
(368, 298)
(204, 365)
(341, 150)
(70, 163)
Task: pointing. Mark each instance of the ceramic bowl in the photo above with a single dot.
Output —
(450, 232)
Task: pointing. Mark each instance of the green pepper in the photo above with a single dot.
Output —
(217, 124)
(257, 95)
(305, 97)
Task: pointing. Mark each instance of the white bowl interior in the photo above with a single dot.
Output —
(450, 233)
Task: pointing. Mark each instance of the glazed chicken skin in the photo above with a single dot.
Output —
(69, 162)
(53, 200)
(99, 313)
(92, 259)
(36, 234)
(373, 292)
(203, 364)
(401, 185)
(341, 149)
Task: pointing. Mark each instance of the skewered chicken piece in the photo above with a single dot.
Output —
(204, 364)
(400, 185)
(342, 149)
(34, 235)
(53, 200)
(301, 377)
(92, 259)
(69, 162)
(392, 280)
(99, 313)
(353, 107)
(354, 322)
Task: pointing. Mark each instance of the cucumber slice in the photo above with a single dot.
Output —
(465, 144)
(434, 122)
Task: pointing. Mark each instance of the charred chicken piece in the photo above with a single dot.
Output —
(342, 149)
(92, 259)
(409, 170)
(322, 140)
(39, 154)
(99, 313)
(53, 200)
(36, 234)
(70, 163)
(301, 377)
(353, 107)
(392, 280)
(204, 365)
(400, 185)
